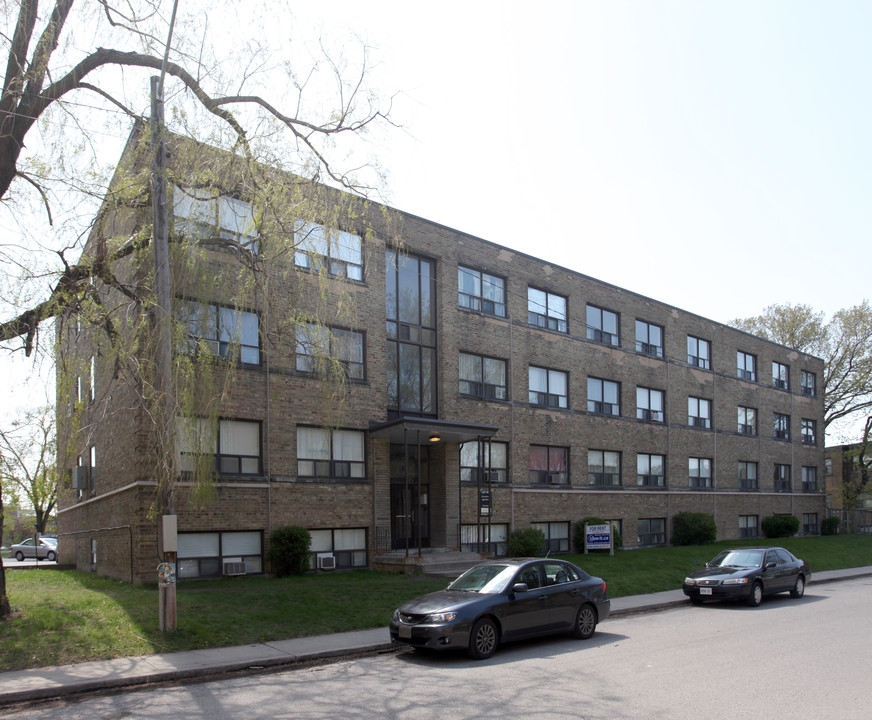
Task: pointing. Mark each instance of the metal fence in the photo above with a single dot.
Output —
(853, 522)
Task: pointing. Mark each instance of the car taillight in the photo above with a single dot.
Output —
(603, 586)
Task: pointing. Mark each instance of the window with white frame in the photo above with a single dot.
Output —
(748, 526)
(213, 554)
(746, 365)
(319, 346)
(650, 470)
(549, 465)
(649, 404)
(747, 417)
(809, 432)
(781, 477)
(809, 478)
(808, 381)
(548, 388)
(203, 214)
(343, 547)
(220, 330)
(228, 447)
(603, 467)
(699, 352)
(699, 412)
(481, 291)
(780, 426)
(603, 326)
(484, 461)
(482, 377)
(700, 472)
(491, 538)
(340, 253)
(556, 535)
(747, 475)
(546, 310)
(330, 453)
(649, 339)
(651, 531)
(603, 397)
(780, 376)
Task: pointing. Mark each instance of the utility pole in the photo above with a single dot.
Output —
(167, 539)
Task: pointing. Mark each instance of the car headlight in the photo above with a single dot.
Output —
(736, 581)
(396, 615)
(439, 618)
(689, 581)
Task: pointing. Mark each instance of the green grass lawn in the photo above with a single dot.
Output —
(64, 616)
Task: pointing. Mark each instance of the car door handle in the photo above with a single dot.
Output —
(543, 598)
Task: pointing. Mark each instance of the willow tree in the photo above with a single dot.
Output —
(76, 82)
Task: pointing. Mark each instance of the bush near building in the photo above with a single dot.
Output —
(289, 550)
(693, 528)
(527, 542)
(830, 525)
(780, 526)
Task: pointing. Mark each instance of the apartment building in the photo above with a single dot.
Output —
(482, 390)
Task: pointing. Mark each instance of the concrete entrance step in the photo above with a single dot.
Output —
(433, 562)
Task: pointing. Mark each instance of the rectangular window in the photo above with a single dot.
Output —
(323, 350)
(699, 412)
(699, 352)
(650, 470)
(482, 377)
(602, 326)
(549, 465)
(649, 339)
(809, 479)
(747, 421)
(546, 310)
(746, 366)
(809, 432)
(485, 461)
(652, 531)
(603, 467)
(491, 538)
(220, 330)
(808, 380)
(480, 291)
(92, 386)
(649, 404)
(809, 524)
(556, 536)
(347, 546)
(201, 214)
(548, 388)
(780, 426)
(781, 478)
(228, 447)
(214, 554)
(748, 526)
(603, 397)
(700, 472)
(326, 453)
(747, 475)
(780, 376)
(92, 469)
(340, 253)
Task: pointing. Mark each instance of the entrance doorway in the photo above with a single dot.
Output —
(410, 500)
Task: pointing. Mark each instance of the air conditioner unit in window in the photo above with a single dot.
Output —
(326, 561)
(234, 568)
(80, 478)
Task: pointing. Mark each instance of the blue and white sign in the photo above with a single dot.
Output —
(598, 537)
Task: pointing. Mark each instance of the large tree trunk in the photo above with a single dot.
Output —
(5, 607)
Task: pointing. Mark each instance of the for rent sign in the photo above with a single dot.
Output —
(598, 537)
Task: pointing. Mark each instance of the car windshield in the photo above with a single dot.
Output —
(484, 579)
(738, 558)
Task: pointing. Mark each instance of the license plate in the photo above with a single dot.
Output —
(405, 631)
(705, 591)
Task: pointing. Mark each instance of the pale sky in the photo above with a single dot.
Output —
(715, 156)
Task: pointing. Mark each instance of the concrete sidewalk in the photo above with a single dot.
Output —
(57, 681)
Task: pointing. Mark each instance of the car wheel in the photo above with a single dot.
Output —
(585, 622)
(798, 587)
(51, 557)
(756, 595)
(482, 640)
(695, 600)
(19, 556)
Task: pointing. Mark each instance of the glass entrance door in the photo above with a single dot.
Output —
(410, 509)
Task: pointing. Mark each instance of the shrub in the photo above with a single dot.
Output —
(578, 536)
(289, 550)
(693, 528)
(526, 542)
(778, 526)
(830, 525)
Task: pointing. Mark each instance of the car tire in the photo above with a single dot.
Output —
(756, 595)
(51, 557)
(483, 639)
(585, 622)
(798, 589)
(19, 556)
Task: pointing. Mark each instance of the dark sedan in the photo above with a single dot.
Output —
(748, 574)
(504, 600)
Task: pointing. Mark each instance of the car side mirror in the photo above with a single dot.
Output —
(769, 565)
(519, 588)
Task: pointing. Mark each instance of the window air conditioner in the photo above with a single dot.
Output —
(326, 561)
(80, 478)
(234, 568)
